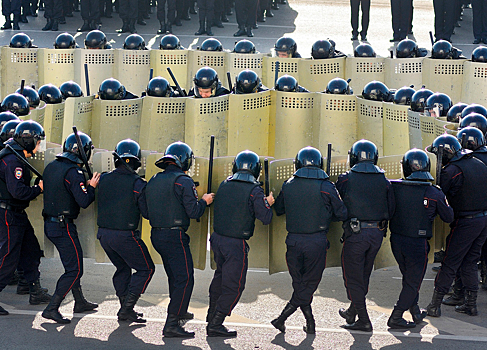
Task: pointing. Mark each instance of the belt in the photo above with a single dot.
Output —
(55, 219)
(169, 228)
(6, 206)
(374, 224)
(478, 215)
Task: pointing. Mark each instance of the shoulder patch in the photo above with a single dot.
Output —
(18, 173)
(266, 203)
(80, 171)
(195, 192)
(82, 185)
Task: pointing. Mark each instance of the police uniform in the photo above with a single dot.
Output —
(90, 10)
(129, 10)
(246, 11)
(479, 11)
(220, 91)
(206, 9)
(120, 204)
(444, 18)
(401, 21)
(171, 11)
(53, 9)
(365, 6)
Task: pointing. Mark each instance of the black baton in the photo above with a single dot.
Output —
(431, 38)
(22, 84)
(210, 163)
(439, 158)
(26, 163)
(178, 87)
(151, 74)
(277, 72)
(229, 78)
(87, 80)
(82, 152)
(266, 177)
(328, 159)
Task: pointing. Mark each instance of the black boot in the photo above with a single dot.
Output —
(48, 25)
(51, 311)
(240, 32)
(163, 28)
(38, 295)
(177, 22)
(225, 18)
(216, 328)
(249, 32)
(192, 10)
(288, 310)
(434, 307)
(208, 29)
(23, 285)
(16, 22)
(169, 29)
(470, 306)
(172, 329)
(217, 22)
(55, 25)
(483, 274)
(310, 321)
(211, 310)
(122, 300)
(23, 19)
(80, 302)
(127, 312)
(15, 279)
(363, 323)
(8, 23)
(275, 6)
(3, 312)
(141, 21)
(85, 27)
(184, 318)
(125, 27)
(93, 24)
(417, 314)
(458, 295)
(396, 321)
(132, 26)
(348, 314)
(202, 29)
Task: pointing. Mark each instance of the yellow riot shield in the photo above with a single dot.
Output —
(18, 64)
(441, 124)
(293, 123)
(100, 67)
(35, 114)
(363, 70)
(414, 124)
(132, 69)
(77, 111)
(216, 60)
(395, 128)
(205, 117)
(369, 122)
(162, 122)
(399, 72)
(289, 66)
(248, 122)
(444, 76)
(115, 120)
(53, 122)
(238, 62)
(315, 74)
(56, 66)
(177, 60)
(451, 129)
(428, 130)
(474, 83)
(335, 122)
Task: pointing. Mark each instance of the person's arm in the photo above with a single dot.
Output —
(14, 178)
(186, 190)
(84, 194)
(139, 197)
(333, 202)
(260, 205)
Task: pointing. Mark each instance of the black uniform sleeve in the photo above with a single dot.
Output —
(436, 203)
(391, 199)
(333, 202)
(139, 196)
(14, 178)
(83, 194)
(341, 184)
(279, 206)
(259, 206)
(451, 179)
(186, 191)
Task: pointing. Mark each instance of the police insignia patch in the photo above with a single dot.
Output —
(83, 187)
(18, 173)
(195, 192)
(266, 203)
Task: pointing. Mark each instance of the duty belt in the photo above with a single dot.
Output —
(58, 220)
(373, 224)
(473, 216)
(6, 206)
(169, 228)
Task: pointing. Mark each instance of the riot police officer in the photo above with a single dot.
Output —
(239, 201)
(70, 89)
(5, 117)
(8, 130)
(66, 190)
(90, 13)
(417, 204)
(369, 199)
(310, 201)
(129, 13)
(18, 244)
(120, 204)
(31, 95)
(112, 89)
(170, 219)
(166, 26)
(288, 83)
(365, 6)
(246, 16)
(206, 84)
(248, 82)
(286, 48)
(96, 40)
(11, 7)
(15, 103)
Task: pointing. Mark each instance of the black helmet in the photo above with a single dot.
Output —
(244, 46)
(16, 103)
(416, 165)
(8, 129)
(130, 152)
(418, 101)
(450, 147)
(364, 50)
(31, 95)
(65, 41)
(5, 117)
(206, 78)
(177, 153)
(211, 44)
(287, 83)
(71, 150)
(50, 94)
(71, 89)
(474, 119)
(479, 54)
(21, 41)
(159, 87)
(404, 95)
(377, 91)
(285, 44)
(322, 49)
(363, 151)
(455, 112)
(338, 86)
(309, 156)
(111, 89)
(247, 161)
(474, 138)
(170, 42)
(247, 82)
(134, 42)
(95, 39)
(440, 100)
(27, 134)
(406, 48)
(474, 108)
(441, 49)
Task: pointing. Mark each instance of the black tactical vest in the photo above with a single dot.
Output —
(5, 195)
(165, 210)
(305, 209)
(410, 217)
(117, 208)
(472, 196)
(366, 196)
(480, 155)
(57, 199)
(232, 214)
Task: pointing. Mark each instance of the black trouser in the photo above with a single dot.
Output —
(206, 9)
(18, 247)
(106, 7)
(246, 11)
(411, 253)
(479, 10)
(179, 8)
(127, 251)
(90, 9)
(306, 261)
(444, 18)
(173, 246)
(358, 255)
(161, 10)
(53, 9)
(365, 6)
(129, 9)
(231, 258)
(143, 8)
(463, 249)
(11, 6)
(401, 10)
(263, 4)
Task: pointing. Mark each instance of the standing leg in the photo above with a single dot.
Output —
(365, 6)
(354, 7)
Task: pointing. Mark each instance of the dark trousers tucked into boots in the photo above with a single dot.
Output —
(172, 328)
(458, 295)
(434, 307)
(362, 324)
(396, 321)
(288, 310)
(310, 321)
(216, 328)
(470, 305)
(52, 310)
(127, 312)
(80, 302)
